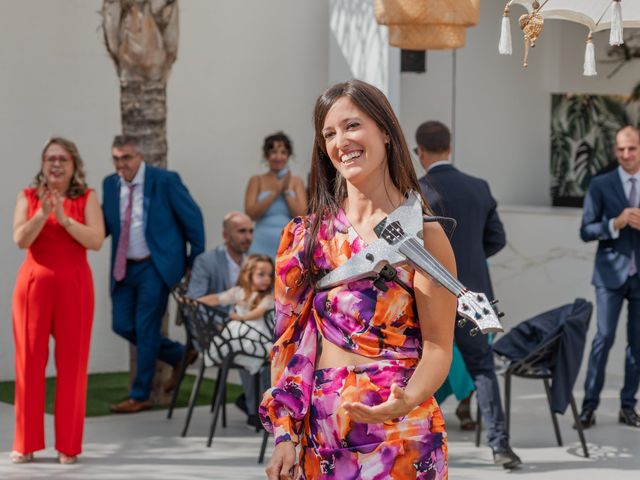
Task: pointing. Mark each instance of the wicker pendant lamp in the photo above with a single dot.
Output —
(427, 24)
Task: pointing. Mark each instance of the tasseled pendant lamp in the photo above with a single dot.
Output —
(531, 24)
(429, 24)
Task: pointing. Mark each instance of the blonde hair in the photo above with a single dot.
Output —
(244, 279)
(78, 185)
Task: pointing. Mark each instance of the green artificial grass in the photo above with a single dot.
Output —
(105, 389)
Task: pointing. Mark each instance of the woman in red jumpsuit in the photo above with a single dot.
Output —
(56, 220)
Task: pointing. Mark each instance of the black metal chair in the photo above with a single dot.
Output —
(555, 357)
(212, 337)
(179, 291)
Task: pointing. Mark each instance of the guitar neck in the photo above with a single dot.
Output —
(421, 259)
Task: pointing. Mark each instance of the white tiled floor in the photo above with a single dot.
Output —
(147, 446)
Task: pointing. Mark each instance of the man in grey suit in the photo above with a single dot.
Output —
(217, 270)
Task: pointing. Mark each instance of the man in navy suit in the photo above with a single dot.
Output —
(150, 216)
(612, 217)
(478, 235)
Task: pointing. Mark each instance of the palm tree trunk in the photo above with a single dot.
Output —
(141, 37)
(143, 106)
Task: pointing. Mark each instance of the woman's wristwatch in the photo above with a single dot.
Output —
(290, 193)
(68, 223)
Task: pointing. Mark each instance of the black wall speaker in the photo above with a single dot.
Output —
(413, 61)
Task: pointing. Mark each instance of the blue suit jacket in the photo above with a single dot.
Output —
(210, 273)
(605, 200)
(171, 219)
(479, 233)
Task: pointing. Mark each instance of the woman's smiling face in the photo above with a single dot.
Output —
(355, 144)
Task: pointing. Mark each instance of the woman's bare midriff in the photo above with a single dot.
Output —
(332, 356)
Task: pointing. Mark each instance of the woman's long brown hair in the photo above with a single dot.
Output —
(327, 188)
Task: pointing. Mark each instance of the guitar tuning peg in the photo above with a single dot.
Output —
(474, 331)
(461, 322)
(493, 302)
(500, 314)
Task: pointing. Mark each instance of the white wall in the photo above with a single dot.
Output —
(244, 70)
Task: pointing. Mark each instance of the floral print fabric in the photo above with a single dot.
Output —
(357, 317)
(335, 447)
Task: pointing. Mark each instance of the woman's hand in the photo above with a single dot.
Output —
(282, 465)
(284, 183)
(397, 405)
(45, 201)
(57, 204)
(235, 316)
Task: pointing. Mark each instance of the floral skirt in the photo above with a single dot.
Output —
(334, 447)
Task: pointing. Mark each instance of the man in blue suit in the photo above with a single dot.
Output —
(150, 216)
(478, 235)
(612, 217)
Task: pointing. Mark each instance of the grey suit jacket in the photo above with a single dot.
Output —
(210, 273)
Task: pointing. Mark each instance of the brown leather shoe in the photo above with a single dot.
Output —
(131, 406)
(190, 357)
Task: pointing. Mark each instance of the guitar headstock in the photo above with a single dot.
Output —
(476, 308)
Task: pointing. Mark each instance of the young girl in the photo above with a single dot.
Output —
(251, 299)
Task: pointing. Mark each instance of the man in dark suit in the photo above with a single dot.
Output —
(150, 216)
(612, 217)
(478, 235)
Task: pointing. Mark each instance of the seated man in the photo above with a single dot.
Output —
(216, 271)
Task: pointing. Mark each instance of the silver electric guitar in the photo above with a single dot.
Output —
(400, 243)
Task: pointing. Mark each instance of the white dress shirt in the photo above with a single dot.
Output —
(138, 247)
(626, 185)
(234, 268)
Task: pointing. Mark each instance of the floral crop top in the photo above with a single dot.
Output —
(355, 316)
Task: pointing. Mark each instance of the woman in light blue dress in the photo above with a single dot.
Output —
(275, 197)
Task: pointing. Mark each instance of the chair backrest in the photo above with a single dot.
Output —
(202, 328)
(214, 334)
(551, 346)
(540, 361)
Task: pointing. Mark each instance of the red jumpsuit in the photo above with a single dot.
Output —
(53, 296)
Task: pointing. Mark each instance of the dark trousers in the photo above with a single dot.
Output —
(138, 304)
(248, 385)
(478, 358)
(608, 307)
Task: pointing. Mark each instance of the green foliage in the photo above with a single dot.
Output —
(583, 129)
(105, 389)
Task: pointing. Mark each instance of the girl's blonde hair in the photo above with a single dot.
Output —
(244, 279)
